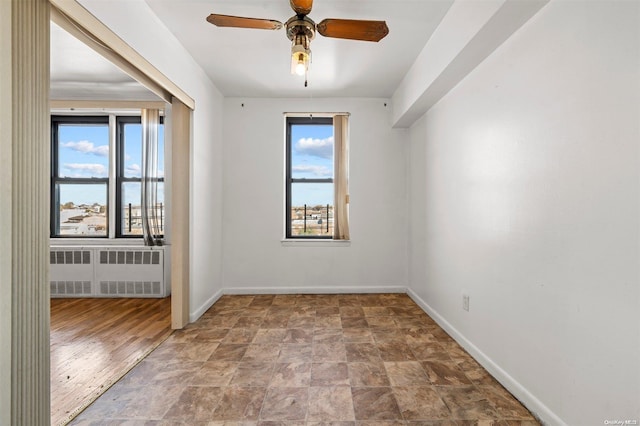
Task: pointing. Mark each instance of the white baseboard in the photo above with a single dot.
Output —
(313, 290)
(193, 316)
(539, 409)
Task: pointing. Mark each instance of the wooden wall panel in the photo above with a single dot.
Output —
(180, 212)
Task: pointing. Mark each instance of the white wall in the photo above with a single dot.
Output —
(162, 49)
(253, 223)
(524, 190)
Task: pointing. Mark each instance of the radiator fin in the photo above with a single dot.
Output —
(69, 257)
(130, 288)
(70, 288)
(129, 257)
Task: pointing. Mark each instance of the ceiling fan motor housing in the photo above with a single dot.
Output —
(297, 26)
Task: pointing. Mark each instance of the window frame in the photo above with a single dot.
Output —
(56, 179)
(289, 180)
(116, 176)
(121, 121)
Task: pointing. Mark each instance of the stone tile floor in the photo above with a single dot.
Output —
(369, 359)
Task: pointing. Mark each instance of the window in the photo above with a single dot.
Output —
(80, 176)
(81, 195)
(310, 182)
(129, 177)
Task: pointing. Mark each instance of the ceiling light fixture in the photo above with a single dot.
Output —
(300, 31)
(302, 63)
(300, 55)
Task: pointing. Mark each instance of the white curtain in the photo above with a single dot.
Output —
(341, 177)
(151, 232)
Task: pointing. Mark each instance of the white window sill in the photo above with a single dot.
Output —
(90, 242)
(291, 242)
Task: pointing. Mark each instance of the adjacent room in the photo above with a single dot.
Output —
(312, 212)
(110, 301)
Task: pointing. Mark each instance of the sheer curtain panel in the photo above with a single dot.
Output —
(150, 119)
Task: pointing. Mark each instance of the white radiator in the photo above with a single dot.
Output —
(107, 272)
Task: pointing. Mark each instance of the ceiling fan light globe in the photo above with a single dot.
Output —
(301, 68)
(300, 58)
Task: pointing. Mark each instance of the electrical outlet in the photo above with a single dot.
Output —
(465, 302)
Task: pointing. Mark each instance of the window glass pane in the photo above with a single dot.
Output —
(83, 150)
(160, 210)
(160, 152)
(83, 209)
(133, 150)
(131, 209)
(311, 151)
(316, 200)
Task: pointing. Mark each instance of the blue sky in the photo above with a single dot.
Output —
(84, 152)
(312, 158)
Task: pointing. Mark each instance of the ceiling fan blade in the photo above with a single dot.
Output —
(240, 22)
(301, 7)
(353, 29)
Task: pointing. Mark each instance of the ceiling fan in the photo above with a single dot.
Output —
(301, 30)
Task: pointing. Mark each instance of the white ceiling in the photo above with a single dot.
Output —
(256, 63)
(78, 72)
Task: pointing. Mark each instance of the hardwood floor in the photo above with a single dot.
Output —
(94, 342)
(309, 360)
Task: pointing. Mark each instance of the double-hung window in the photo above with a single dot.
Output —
(80, 176)
(316, 178)
(91, 174)
(129, 177)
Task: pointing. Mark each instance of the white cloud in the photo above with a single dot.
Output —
(320, 171)
(86, 170)
(87, 147)
(136, 170)
(322, 148)
(133, 169)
